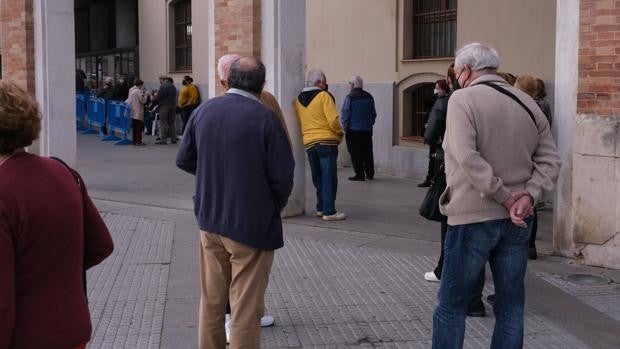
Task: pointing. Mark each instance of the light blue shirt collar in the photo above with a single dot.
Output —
(242, 93)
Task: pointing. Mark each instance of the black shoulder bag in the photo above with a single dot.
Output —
(429, 208)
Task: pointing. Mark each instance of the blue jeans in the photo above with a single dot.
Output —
(322, 159)
(467, 249)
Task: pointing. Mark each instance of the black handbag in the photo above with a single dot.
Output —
(430, 205)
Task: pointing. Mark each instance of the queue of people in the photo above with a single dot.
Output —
(238, 148)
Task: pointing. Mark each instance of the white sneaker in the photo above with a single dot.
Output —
(227, 327)
(338, 216)
(318, 214)
(430, 276)
(267, 321)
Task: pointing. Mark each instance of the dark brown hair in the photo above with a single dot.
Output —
(20, 121)
(138, 82)
(442, 84)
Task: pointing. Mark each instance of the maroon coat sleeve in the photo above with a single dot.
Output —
(97, 239)
(7, 281)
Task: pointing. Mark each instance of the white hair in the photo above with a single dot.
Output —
(223, 65)
(357, 81)
(315, 76)
(477, 56)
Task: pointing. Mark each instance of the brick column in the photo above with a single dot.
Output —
(237, 30)
(17, 40)
(599, 63)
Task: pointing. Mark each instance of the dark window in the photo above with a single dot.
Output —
(418, 100)
(434, 28)
(183, 35)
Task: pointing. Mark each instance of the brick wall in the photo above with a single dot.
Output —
(237, 29)
(17, 40)
(599, 62)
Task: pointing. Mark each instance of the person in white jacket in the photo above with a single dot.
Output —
(137, 98)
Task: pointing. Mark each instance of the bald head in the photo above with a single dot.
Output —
(223, 67)
(248, 74)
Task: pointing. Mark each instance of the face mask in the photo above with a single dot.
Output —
(326, 87)
(457, 85)
(435, 92)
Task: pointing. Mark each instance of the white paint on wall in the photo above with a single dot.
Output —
(283, 53)
(54, 51)
(566, 79)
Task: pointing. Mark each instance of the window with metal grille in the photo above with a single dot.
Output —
(183, 35)
(434, 28)
(417, 102)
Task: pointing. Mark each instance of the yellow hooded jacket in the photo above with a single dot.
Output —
(318, 117)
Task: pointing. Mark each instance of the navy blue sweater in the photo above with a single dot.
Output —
(243, 163)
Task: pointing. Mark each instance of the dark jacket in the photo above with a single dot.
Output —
(44, 246)
(166, 95)
(358, 111)
(243, 163)
(436, 126)
(108, 93)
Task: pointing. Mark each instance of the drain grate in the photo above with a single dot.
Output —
(587, 279)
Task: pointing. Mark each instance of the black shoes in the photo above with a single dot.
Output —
(356, 178)
(476, 309)
(424, 184)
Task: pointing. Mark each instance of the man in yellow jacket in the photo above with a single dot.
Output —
(189, 99)
(322, 132)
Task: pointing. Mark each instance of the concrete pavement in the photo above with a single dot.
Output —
(352, 284)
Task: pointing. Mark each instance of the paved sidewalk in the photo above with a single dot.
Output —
(352, 284)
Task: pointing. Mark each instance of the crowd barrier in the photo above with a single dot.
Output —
(119, 120)
(95, 116)
(80, 111)
(113, 116)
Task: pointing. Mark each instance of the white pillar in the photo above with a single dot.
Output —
(54, 52)
(566, 79)
(283, 42)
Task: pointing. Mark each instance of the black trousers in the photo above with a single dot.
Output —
(185, 114)
(359, 145)
(137, 126)
(432, 164)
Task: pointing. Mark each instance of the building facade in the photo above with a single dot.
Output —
(399, 47)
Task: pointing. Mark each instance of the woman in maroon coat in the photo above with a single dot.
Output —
(50, 232)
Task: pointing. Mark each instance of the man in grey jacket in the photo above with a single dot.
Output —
(166, 98)
(499, 158)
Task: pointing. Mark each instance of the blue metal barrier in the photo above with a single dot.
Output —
(95, 116)
(119, 120)
(80, 111)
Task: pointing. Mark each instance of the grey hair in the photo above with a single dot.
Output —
(477, 56)
(223, 65)
(357, 81)
(314, 76)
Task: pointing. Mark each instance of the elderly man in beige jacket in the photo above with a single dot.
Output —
(499, 159)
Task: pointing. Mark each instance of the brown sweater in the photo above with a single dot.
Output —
(44, 246)
(492, 147)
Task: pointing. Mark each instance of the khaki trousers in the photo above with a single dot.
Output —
(229, 269)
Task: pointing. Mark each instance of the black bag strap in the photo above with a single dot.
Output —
(511, 95)
(78, 180)
(73, 173)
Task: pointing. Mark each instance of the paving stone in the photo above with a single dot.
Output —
(127, 291)
(325, 295)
